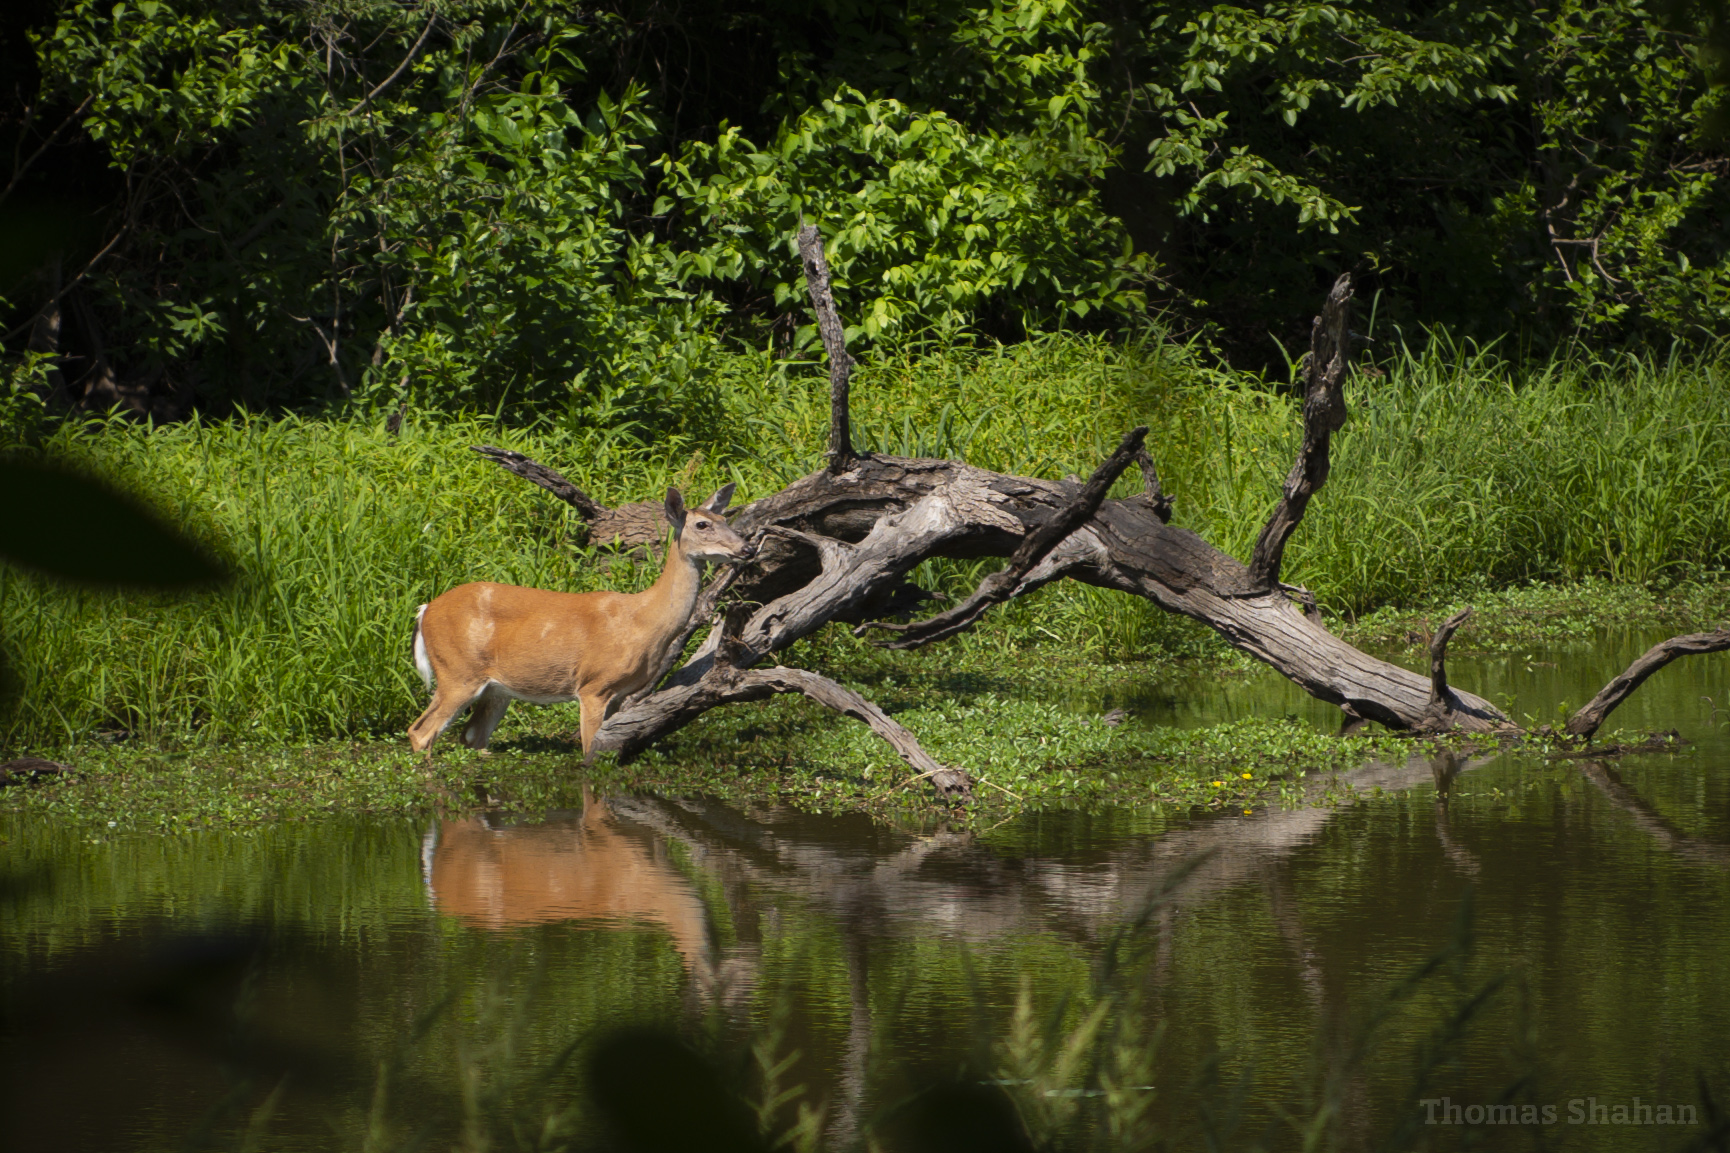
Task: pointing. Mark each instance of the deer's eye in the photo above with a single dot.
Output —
(702, 524)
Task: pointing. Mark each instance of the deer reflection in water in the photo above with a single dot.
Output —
(872, 885)
(573, 867)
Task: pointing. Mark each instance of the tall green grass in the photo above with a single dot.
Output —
(1457, 469)
(1454, 470)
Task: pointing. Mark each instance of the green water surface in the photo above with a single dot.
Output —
(147, 980)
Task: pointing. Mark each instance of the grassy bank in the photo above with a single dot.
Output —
(1455, 475)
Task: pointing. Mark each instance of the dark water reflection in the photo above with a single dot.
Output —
(1602, 892)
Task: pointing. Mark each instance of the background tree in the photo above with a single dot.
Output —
(570, 209)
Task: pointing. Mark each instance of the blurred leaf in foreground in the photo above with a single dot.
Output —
(663, 1098)
(77, 528)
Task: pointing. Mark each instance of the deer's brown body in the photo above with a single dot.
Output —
(488, 644)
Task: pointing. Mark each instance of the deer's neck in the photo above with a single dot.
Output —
(674, 593)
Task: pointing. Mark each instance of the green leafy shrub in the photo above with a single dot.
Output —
(929, 224)
(546, 212)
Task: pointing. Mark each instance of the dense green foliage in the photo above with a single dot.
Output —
(484, 203)
(1454, 473)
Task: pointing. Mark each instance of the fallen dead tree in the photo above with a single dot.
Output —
(836, 547)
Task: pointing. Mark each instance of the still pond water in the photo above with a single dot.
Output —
(893, 957)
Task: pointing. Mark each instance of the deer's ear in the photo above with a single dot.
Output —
(722, 498)
(675, 507)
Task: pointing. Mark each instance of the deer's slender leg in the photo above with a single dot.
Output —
(489, 709)
(594, 712)
(446, 704)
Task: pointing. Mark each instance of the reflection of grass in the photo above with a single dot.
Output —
(1072, 1068)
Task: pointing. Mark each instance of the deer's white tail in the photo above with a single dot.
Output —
(420, 658)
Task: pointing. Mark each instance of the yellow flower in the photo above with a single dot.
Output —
(1247, 776)
(1246, 812)
(1219, 784)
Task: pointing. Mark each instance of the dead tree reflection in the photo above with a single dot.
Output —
(1650, 821)
(871, 885)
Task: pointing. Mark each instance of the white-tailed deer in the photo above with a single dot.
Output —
(488, 644)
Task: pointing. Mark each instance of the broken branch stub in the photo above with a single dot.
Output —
(1155, 497)
(1442, 698)
(638, 525)
(834, 343)
(1324, 412)
(550, 479)
(1439, 656)
(1585, 722)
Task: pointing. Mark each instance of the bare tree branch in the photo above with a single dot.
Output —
(414, 50)
(1324, 412)
(635, 726)
(19, 171)
(60, 294)
(1034, 547)
(1585, 722)
(701, 615)
(841, 454)
(550, 479)
(639, 525)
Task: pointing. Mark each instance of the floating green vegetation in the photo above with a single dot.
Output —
(1025, 752)
(1554, 615)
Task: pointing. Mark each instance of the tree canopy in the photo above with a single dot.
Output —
(267, 203)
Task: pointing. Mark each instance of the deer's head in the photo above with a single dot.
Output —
(701, 533)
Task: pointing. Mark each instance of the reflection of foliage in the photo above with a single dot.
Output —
(407, 1028)
(1061, 1084)
(516, 203)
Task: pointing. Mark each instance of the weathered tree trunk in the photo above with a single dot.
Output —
(836, 546)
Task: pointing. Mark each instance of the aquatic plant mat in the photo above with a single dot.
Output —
(1213, 732)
